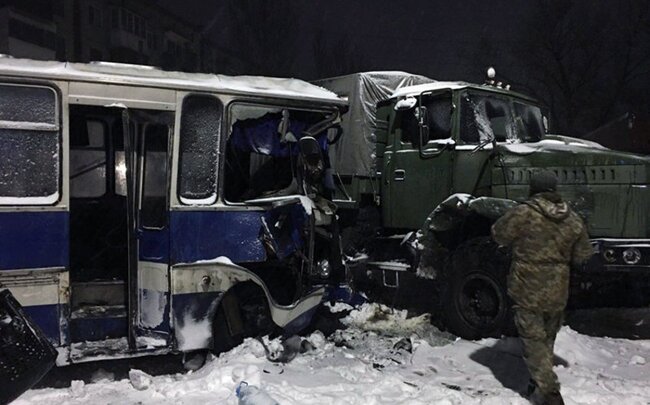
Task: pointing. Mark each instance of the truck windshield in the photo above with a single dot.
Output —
(487, 117)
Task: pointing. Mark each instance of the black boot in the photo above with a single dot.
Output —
(532, 386)
(538, 398)
(554, 398)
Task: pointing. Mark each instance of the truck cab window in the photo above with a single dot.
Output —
(439, 111)
(532, 121)
(200, 128)
(486, 117)
(29, 145)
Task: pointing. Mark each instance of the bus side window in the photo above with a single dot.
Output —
(153, 209)
(87, 158)
(29, 145)
(199, 135)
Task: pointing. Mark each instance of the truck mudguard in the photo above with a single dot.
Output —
(442, 228)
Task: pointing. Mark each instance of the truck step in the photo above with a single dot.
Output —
(390, 265)
(390, 271)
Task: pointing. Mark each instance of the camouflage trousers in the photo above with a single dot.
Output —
(537, 330)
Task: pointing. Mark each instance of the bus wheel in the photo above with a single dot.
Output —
(243, 312)
(474, 300)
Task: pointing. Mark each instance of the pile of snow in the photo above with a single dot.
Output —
(385, 357)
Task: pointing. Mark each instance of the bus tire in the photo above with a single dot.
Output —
(242, 313)
(475, 302)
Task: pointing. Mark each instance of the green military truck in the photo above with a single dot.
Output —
(425, 167)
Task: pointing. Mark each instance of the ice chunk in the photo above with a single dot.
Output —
(139, 379)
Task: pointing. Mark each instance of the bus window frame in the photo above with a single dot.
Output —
(226, 132)
(176, 174)
(60, 126)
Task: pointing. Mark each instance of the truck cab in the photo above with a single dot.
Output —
(448, 159)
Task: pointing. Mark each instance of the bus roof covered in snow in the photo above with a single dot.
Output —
(126, 74)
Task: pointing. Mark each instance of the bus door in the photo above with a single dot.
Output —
(147, 162)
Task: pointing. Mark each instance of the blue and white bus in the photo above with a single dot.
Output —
(144, 211)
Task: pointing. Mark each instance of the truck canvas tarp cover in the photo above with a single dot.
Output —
(354, 153)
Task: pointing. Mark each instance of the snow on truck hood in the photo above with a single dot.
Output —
(116, 73)
(552, 142)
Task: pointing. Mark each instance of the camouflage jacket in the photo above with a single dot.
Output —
(545, 236)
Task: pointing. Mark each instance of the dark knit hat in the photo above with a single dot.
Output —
(542, 180)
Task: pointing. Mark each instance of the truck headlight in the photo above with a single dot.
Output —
(631, 256)
(609, 255)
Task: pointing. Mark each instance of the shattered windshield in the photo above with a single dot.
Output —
(488, 117)
(262, 149)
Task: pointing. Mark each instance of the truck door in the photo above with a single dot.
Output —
(147, 159)
(417, 176)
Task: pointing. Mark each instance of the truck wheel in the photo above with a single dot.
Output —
(243, 312)
(474, 300)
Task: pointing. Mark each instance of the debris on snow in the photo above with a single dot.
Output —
(338, 307)
(368, 363)
(139, 379)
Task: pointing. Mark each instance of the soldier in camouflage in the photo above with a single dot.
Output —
(546, 237)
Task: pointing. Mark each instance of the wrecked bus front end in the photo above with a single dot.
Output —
(146, 211)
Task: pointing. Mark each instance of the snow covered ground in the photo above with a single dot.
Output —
(370, 363)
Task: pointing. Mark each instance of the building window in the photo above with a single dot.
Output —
(96, 54)
(130, 23)
(94, 16)
(34, 35)
(123, 18)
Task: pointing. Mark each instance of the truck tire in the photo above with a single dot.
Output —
(475, 302)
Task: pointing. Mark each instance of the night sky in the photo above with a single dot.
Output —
(588, 61)
(433, 37)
